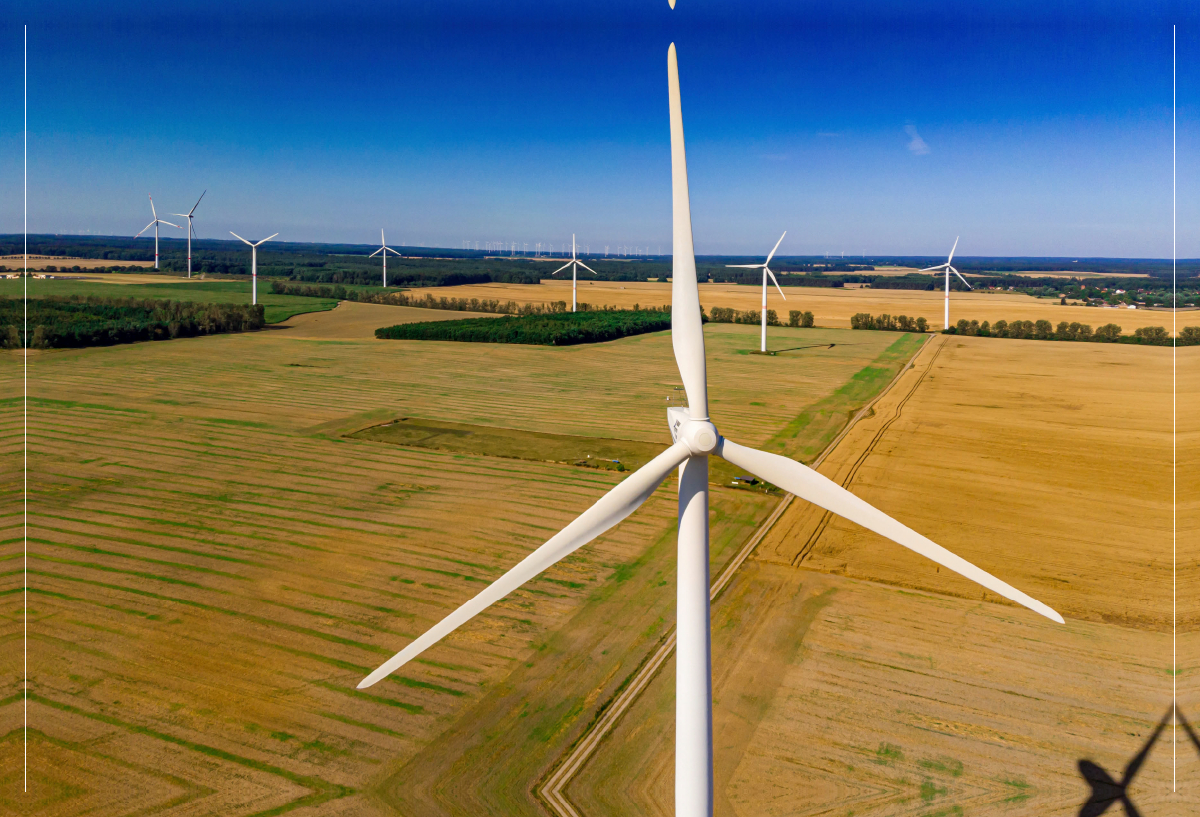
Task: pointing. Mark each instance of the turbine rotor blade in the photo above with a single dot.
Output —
(197, 204)
(235, 235)
(776, 283)
(809, 485)
(745, 266)
(608, 511)
(144, 229)
(687, 331)
(169, 224)
(268, 238)
(928, 269)
(777, 243)
(959, 274)
(952, 249)
(560, 269)
(152, 211)
(586, 267)
(377, 252)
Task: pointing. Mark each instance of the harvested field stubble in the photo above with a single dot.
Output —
(214, 566)
(836, 691)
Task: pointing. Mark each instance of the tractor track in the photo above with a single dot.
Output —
(826, 517)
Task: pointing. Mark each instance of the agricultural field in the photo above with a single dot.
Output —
(851, 676)
(215, 564)
(831, 307)
(277, 308)
(62, 264)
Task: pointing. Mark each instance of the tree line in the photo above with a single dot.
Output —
(78, 321)
(721, 314)
(1075, 331)
(888, 323)
(556, 329)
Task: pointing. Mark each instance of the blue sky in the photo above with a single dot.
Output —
(1027, 128)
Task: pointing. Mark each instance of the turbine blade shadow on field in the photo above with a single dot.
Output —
(1106, 791)
(1187, 727)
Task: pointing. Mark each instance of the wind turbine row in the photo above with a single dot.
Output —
(253, 263)
(573, 264)
(157, 221)
(191, 231)
(949, 269)
(383, 250)
(766, 268)
(694, 438)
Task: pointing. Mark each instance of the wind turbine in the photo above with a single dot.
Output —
(384, 250)
(573, 264)
(253, 264)
(188, 216)
(949, 269)
(695, 438)
(766, 271)
(157, 221)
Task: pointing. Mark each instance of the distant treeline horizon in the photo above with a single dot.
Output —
(174, 250)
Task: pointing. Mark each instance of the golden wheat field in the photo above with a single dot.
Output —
(852, 677)
(214, 565)
(832, 307)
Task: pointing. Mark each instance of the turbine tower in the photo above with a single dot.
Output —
(766, 271)
(253, 264)
(383, 250)
(573, 263)
(695, 438)
(157, 221)
(190, 230)
(949, 269)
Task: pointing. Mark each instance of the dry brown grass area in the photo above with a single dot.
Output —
(839, 691)
(356, 321)
(831, 307)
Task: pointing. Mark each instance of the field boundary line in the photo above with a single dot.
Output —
(572, 761)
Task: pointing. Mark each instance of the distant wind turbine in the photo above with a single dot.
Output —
(157, 221)
(573, 264)
(253, 264)
(766, 271)
(949, 269)
(694, 439)
(190, 231)
(384, 249)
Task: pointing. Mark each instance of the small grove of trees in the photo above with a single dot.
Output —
(78, 321)
(888, 323)
(722, 314)
(1074, 331)
(558, 329)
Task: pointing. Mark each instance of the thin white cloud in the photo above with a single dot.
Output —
(916, 145)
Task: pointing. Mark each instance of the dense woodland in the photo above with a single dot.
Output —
(560, 329)
(93, 321)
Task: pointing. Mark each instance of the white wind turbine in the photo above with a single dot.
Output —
(190, 231)
(766, 271)
(573, 264)
(695, 438)
(384, 249)
(157, 221)
(949, 269)
(253, 263)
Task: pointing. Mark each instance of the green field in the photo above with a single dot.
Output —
(277, 307)
(214, 565)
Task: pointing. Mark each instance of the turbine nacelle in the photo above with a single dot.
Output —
(700, 436)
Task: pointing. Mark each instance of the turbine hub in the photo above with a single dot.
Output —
(700, 436)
